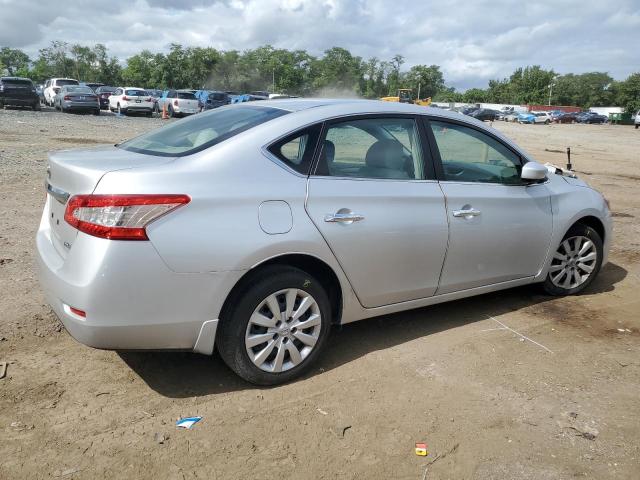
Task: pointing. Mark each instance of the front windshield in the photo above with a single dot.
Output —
(201, 131)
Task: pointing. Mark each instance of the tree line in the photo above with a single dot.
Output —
(336, 72)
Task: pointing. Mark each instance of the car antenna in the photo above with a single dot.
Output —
(569, 166)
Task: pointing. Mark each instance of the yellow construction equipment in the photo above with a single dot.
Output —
(405, 95)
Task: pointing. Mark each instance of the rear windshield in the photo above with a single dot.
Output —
(62, 83)
(186, 96)
(79, 89)
(201, 131)
(17, 83)
(106, 89)
(217, 96)
(136, 93)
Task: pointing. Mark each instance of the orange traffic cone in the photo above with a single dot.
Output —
(165, 115)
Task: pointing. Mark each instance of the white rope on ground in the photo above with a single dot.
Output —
(505, 327)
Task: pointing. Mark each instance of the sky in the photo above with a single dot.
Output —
(473, 41)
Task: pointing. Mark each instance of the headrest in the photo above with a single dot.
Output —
(385, 154)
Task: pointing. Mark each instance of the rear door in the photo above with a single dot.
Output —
(499, 228)
(379, 209)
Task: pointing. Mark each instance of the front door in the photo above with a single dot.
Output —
(499, 228)
(371, 200)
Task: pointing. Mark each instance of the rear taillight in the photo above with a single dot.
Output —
(125, 98)
(147, 99)
(67, 98)
(119, 217)
(175, 102)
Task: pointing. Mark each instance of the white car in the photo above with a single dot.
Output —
(179, 103)
(542, 117)
(130, 100)
(53, 86)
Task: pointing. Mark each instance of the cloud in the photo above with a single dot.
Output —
(472, 41)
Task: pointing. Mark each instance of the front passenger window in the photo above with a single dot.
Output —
(468, 155)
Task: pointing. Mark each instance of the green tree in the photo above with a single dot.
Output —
(428, 80)
(629, 93)
(16, 62)
(337, 70)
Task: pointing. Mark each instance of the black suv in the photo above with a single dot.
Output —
(19, 92)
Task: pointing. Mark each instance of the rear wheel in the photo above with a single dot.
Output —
(36, 106)
(96, 111)
(547, 122)
(172, 114)
(575, 263)
(276, 326)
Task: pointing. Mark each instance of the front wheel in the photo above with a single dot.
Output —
(276, 326)
(575, 263)
(547, 122)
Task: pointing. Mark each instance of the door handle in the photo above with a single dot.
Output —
(466, 213)
(343, 217)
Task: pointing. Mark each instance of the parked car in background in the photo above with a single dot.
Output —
(468, 110)
(554, 114)
(534, 117)
(526, 117)
(566, 117)
(92, 86)
(210, 99)
(591, 117)
(18, 92)
(126, 100)
(104, 92)
(485, 114)
(510, 116)
(40, 92)
(53, 86)
(179, 103)
(637, 120)
(253, 228)
(77, 98)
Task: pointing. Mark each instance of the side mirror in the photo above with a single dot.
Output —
(533, 172)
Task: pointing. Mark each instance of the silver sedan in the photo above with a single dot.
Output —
(76, 98)
(252, 228)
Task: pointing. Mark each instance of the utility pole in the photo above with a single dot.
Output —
(550, 90)
(418, 97)
(273, 81)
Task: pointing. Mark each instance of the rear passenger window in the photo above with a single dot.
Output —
(296, 150)
(382, 148)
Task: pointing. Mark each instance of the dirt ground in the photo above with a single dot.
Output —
(560, 399)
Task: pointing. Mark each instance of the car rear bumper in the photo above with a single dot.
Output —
(80, 105)
(21, 101)
(131, 298)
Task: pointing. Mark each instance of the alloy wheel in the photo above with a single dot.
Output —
(283, 330)
(573, 262)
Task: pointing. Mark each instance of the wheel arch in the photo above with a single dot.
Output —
(593, 222)
(308, 263)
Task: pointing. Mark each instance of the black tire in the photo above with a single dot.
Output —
(170, 112)
(149, 113)
(230, 338)
(36, 106)
(637, 125)
(575, 231)
(96, 112)
(547, 122)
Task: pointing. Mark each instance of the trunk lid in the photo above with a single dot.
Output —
(74, 172)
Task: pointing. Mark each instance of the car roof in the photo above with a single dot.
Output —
(350, 106)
